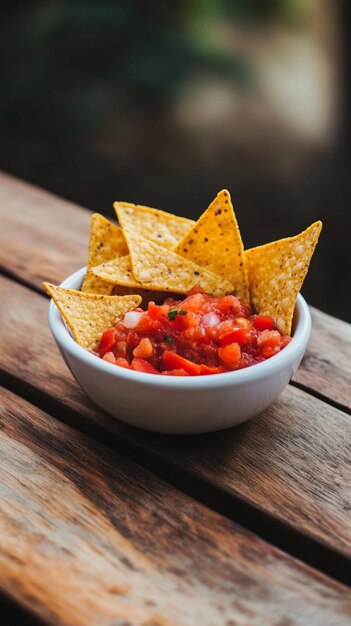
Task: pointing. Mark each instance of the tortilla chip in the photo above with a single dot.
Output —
(106, 243)
(152, 263)
(161, 227)
(214, 242)
(89, 314)
(152, 266)
(119, 274)
(276, 273)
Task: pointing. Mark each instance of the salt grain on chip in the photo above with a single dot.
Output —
(88, 314)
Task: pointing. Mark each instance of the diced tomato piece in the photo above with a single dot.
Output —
(284, 342)
(122, 362)
(194, 290)
(230, 354)
(107, 341)
(238, 335)
(242, 322)
(172, 360)
(157, 312)
(271, 338)
(196, 334)
(179, 372)
(140, 365)
(121, 348)
(268, 341)
(229, 303)
(269, 351)
(221, 329)
(147, 326)
(144, 349)
(109, 357)
(263, 322)
(205, 369)
(194, 302)
(182, 322)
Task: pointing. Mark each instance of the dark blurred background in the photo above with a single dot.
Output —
(163, 103)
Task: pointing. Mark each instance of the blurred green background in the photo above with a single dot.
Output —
(163, 103)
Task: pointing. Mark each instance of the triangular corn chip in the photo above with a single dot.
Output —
(89, 314)
(119, 274)
(163, 228)
(154, 267)
(214, 242)
(106, 243)
(276, 273)
(161, 267)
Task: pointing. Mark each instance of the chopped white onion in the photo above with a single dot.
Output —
(131, 319)
(210, 319)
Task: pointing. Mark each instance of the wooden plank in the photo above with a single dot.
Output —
(326, 367)
(43, 237)
(292, 462)
(88, 537)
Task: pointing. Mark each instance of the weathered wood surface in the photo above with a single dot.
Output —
(291, 462)
(326, 367)
(88, 537)
(40, 233)
(43, 237)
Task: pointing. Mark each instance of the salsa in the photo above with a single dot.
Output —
(198, 335)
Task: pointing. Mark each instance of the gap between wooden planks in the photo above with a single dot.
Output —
(290, 463)
(43, 237)
(88, 537)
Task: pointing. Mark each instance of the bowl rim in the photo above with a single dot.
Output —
(258, 371)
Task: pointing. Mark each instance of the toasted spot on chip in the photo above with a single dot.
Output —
(215, 242)
(161, 227)
(276, 273)
(89, 314)
(106, 243)
(150, 266)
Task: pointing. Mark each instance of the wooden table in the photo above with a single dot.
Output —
(102, 524)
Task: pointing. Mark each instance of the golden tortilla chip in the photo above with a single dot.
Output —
(154, 263)
(89, 314)
(106, 243)
(214, 242)
(161, 227)
(152, 266)
(119, 274)
(276, 273)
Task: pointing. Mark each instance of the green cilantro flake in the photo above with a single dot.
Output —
(168, 339)
(182, 312)
(172, 314)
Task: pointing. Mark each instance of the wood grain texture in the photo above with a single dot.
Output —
(88, 537)
(291, 462)
(43, 237)
(326, 367)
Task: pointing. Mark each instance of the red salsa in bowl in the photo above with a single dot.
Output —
(196, 336)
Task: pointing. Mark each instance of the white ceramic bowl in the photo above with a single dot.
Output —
(171, 404)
